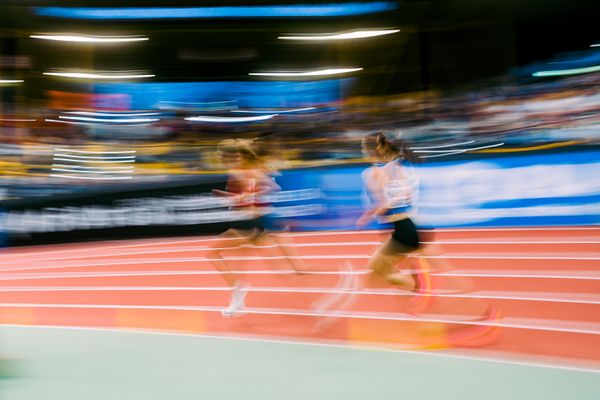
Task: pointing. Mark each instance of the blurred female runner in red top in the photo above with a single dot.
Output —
(247, 185)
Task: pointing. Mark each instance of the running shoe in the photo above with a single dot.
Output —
(237, 306)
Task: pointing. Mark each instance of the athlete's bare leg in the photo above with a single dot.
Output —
(384, 263)
(229, 240)
(283, 246)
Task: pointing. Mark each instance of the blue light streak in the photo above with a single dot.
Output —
(255, 11)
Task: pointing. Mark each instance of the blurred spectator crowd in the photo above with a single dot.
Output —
(522, 116)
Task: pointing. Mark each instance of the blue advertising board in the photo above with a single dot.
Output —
(242, 94)
(525, 190)
(502, 191)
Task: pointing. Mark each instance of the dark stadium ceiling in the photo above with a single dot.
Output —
(442, 43)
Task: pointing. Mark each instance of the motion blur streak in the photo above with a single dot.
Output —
(111, 120)
(90, 39)
(88, 75)
(296, 10)
(342, 36)
(319, 72)
(572, 71)
(206, 118)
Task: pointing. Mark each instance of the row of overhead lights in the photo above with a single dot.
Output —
(360, 34)
(78, 38)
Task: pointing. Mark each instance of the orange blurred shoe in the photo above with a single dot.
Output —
(477, 335)
(423, 299)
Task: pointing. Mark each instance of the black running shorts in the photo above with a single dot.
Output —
(405, 234)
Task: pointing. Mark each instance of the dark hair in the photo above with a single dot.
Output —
(379, 142)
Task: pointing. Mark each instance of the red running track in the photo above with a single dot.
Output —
(541, 285)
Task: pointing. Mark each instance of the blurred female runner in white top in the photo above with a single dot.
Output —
(392, 188)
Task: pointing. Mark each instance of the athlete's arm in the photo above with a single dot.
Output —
(374, 181)
(222, 193)
(266, 183)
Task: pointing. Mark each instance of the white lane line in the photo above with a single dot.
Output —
(171, 261)
(324, 343)
(497, 257)
(107, 245)
(474, 274)
(525, 276)
(190, 249)
(127, 289)
(308, 290)
(155, 242)
(167, 273)
(104, 254)
(145, 261)
(515, 242)
(301, 313)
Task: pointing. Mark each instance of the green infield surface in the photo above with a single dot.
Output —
(79, 364)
